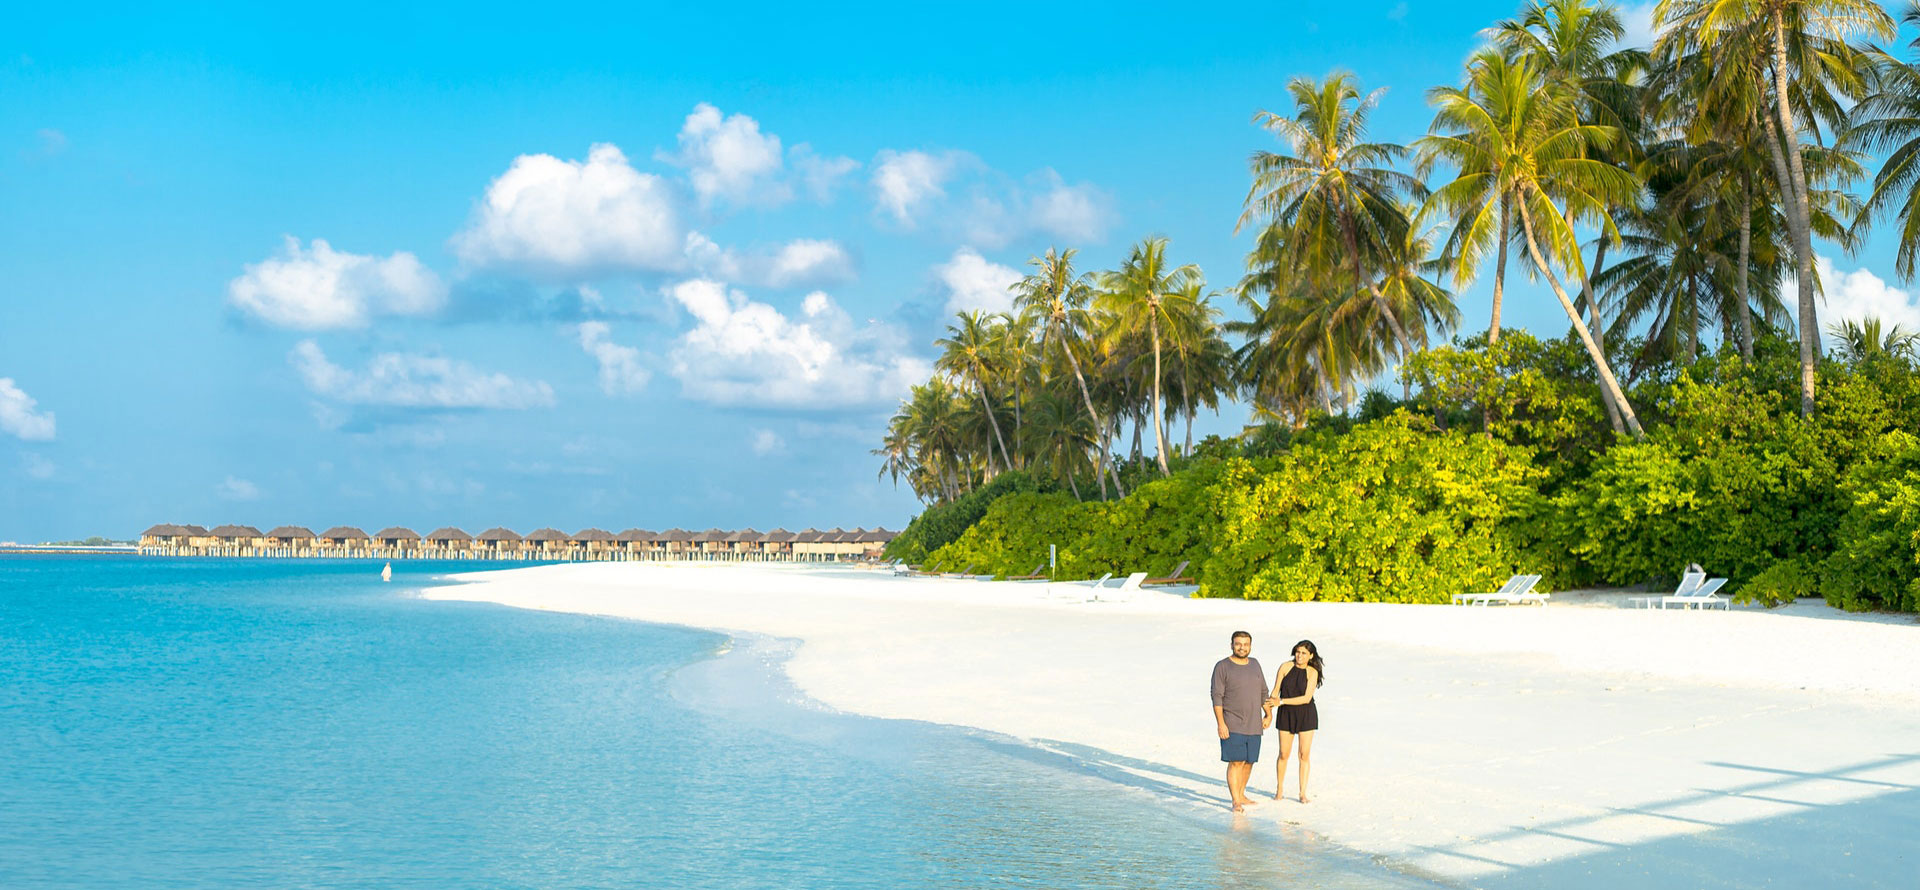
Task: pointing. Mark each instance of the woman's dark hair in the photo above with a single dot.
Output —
(1314, 662)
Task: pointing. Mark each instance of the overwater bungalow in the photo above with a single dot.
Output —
(498, 543)
(449, 543)
(744, 543)
(806, 544)
(291, 540)
(592, 543)
(712, 541)
(236, 540)
(198, 538)
(345, 540)
(679, 543)
(165, 538)
(778, 544)
(636, 543)
(397, 542)
(548, 543)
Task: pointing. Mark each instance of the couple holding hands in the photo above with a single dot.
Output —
(1244, 706)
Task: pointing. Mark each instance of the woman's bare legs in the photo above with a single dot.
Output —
(1306, 760)
(1286, 750)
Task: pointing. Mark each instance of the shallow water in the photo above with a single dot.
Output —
(194, 723)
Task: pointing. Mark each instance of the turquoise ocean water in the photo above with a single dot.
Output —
(224, 723)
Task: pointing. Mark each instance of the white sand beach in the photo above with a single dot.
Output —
(1579, 745)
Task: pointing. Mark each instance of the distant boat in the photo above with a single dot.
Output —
(386, 572)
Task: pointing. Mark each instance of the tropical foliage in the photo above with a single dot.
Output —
(1670, 198)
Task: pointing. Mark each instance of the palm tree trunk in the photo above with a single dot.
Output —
(1693, 319)
(1159, 432)
(1500, 270)
(1800, 220)
(1113, 468)
(1386, 312)
(1746, 259)
(1005, 458)
(1607, 380)
(1087, 397)
(1599, 327)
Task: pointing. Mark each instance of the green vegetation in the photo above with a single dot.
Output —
(1689, 414)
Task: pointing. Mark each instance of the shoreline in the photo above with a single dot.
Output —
(1580, 746)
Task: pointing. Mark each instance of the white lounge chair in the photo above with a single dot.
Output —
(1517, 591)
(1701, 596)
(1461, 599)
(1689, 582)
(1075, 591)
(1125, 592)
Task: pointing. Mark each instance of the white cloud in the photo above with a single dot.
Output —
(621, 371)
(961, 197)
(819, 175)
(1638, 21)
(726, 156)
(235, 489)
(572, 219)
(37, 467)
(1073, 212)
(906, 181)
(973, 284)
(749, 353)
(767, 442)
(802, 262)
(415, 381)
(17, 414)
(318, 288)
(1852, 296)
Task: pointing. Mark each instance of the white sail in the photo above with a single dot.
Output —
(386, 572)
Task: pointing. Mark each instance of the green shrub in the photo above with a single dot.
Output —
(942, 523)
(1389, 512)
(1015, 532)
(1876, 564)
(1786, 581)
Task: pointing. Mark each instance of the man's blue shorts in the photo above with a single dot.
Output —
(1240, 748)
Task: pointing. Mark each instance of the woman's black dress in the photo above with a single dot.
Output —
(1296, 718)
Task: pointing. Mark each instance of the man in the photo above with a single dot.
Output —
(1240, 692)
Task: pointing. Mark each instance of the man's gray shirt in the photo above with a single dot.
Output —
(1240, 691)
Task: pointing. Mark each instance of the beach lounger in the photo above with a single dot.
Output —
(1125, 592)
(1034, 575)
(1075, 590)
(1173, 577)
(1517, 590)
(1701, 596)
(963, 573)
(1689, 582)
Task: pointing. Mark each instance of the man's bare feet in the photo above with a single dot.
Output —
(1277, 796)
(1304, 798)
(1239, 806)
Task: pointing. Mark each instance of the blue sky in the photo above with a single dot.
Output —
(595, 267)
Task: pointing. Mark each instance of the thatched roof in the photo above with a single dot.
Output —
(235, 531)
(194, 530)
(712, 535)
(593, 534)
(164, 530)
(877, 536)
(837, 536)
(636, 535)
(344, 533)
(448, 534)
(547, 534)
(779, 536)
(746, 536)
(806, 536)
(292, 533)
(678, 535)
(497, 534)
(397, 533)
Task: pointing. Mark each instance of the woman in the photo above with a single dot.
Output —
(1293, 690)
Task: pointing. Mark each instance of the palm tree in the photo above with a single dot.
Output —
(1804, 42)
(967, 353)
(1060, 437)
(1057, 297)
(1507, 133)
(1143, 295)
(1868, 339)
(1334, 201)
(1888, 121)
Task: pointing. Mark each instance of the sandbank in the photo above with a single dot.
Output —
(1579, 745)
